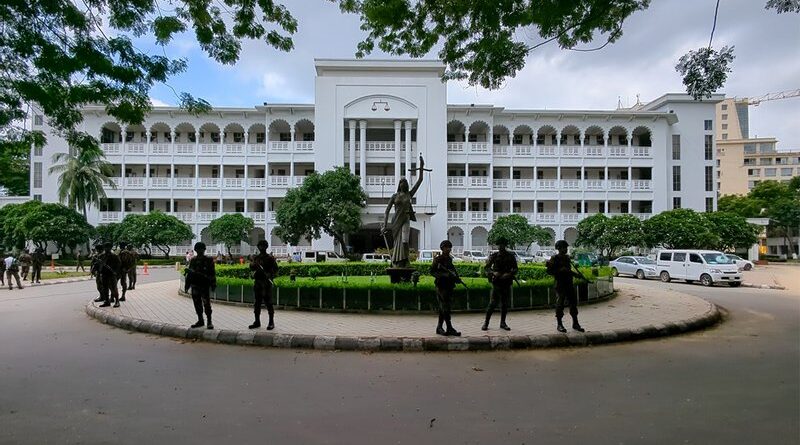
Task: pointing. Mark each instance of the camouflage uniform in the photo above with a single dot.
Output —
(445, 279)
(38, 260)
(201, 278)
(501, 262)
(108, 271)
(25, 260)
(127, 262)
(264, 268)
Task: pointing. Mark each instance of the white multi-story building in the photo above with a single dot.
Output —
(555, 167)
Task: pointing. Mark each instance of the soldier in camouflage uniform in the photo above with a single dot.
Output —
(108, 269)
(445, 277)
(94, 270)
(264, 268)
(201, 278)
(501, 269)
(127, 260)
(25, 261)
(132, 270)
(560, 266)
(38, 260)
(2, 269)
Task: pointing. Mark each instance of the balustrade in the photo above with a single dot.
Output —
(479, 181)
(304, 145)
(159, 182)
(595, 184)
(478, 147)
(455, 181)
(234, 149)
(455, 216)
(479, 216)
(234, 183)
(500, 183)
(185, 183)
(257, 183)
(547, 150)
(133, 181)
(618, 184)
(209, 149)
(547, 184)
(641, 184)
(500, 150)
(524, 184)
(571, 151)
(159, 149)
(279, 181)
(279, 145)
(111, 148)
(257, 149)
(523, 150)
(571, 184)
(387, 181)
(134, 147)
(209, 183)
(617, 151)
(455, 147)
(641, 152)
(185, 148)
(546, 217)
(593, 151)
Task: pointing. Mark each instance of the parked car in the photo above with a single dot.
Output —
(319, 256)
(543, 255)
(586, 259)
(638, 266)
(426, 256)
(523, 257)
(742, 263)
(474, 256)
(376, 258)
(706, 266)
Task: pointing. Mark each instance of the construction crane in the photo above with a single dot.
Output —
(769, 96)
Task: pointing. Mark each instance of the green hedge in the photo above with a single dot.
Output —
(350, 269)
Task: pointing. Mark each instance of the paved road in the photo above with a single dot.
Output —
(67, 379)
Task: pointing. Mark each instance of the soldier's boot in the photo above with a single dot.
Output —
(257, 323)
(450, 329)
(560, 327)
(439, 329)
(271, 324)
(209, 325)
(503, 324)
(575, 325)
(106, 303)
(485, 326)
(200, 321)
(98, 299)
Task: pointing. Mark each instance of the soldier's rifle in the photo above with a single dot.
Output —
(269, 277)
(575, 266)
(450, 273)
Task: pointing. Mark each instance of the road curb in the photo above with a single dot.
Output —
(408, 344)
(51, 281)
(764, 286)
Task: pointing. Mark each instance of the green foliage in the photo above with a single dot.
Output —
(778, 201)
(12, 235)
(15, 164)
(154, 229)
(313, 272)
(485, 42)
(739, 205)
(82, 174)
(732, 231)
(518, 232)
(331, 203)
(230, 229)
(679, 229)
(607, 235)
(57, 223)
(705, 71)
(108, 233)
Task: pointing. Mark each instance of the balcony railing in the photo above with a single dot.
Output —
(546, 217)
(478, 147)
(187, 217)
(207, 216)
(593, 151)
(547, 150)
(210, 183)
(456, 181)
(479, 216)
(234, 183)
(111, 148)
(571, 184)
(380, 146)
(523, 184)
(455, 216)
(134, 181)
(479, 181)
(500, 183)
(618, 184)
(374, 180)
(258, 217)
(304, 145)
(185, 183)
(279, 145)
(572, 217)
(279, 181)
(299, 180)
(109, 217)
(547, 184)
(617, 151)
(572, 151)
(185, 148)
(641, 152)
(523, 150)
(641, 184)
(500, 150)
(595, 184)
(257, 149)
(455, 147)
(209, 149)
(161, 148)
(257, 183)
(234, 149)
(160, 182)
(135, 148)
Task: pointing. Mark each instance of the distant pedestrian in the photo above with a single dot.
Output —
(2, 270)
(560, 266)
(446, 277)
(12, 271)
(79, 262)
(25, 261)
(189, 255)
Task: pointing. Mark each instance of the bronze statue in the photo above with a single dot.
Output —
(400, 227)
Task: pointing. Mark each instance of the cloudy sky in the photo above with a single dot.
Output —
(767, 49)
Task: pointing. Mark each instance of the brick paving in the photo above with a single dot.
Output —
(635, 312)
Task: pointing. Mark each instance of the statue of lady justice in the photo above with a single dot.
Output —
(403, 215)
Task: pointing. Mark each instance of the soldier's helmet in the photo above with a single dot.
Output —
(107, 246)
(263, 244)
(445, 243)
(561, 243)
(123, 245)
(199, 246)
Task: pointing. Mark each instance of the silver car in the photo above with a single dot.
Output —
(639, 266)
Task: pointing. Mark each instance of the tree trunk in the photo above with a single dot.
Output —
(339, 237)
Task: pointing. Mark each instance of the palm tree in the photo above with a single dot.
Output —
(83, 173)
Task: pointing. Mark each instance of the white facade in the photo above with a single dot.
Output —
(553, 166)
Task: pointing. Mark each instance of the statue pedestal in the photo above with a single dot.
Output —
(400, 274)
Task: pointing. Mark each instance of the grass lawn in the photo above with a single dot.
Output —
(60, 275)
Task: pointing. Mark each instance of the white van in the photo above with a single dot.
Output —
(319, 256)
(706, 266)
(473, 256)
(426, 256)
(376, 258)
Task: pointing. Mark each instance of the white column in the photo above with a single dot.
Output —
(408, 149)
(398, 125)
(352, 125)
(246, 167)
(362, 133)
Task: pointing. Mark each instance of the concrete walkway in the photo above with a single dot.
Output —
(635, 313)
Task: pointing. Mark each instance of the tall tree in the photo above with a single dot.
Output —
(744, 206)
(15, 166)
(230, 229)
(679, 229)
(590, 233)
(733, 231)
(609, 235)
(55, 223)
(518, 232)
(329, 203)
(154, 229)
(83, 172)
(12, 235)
